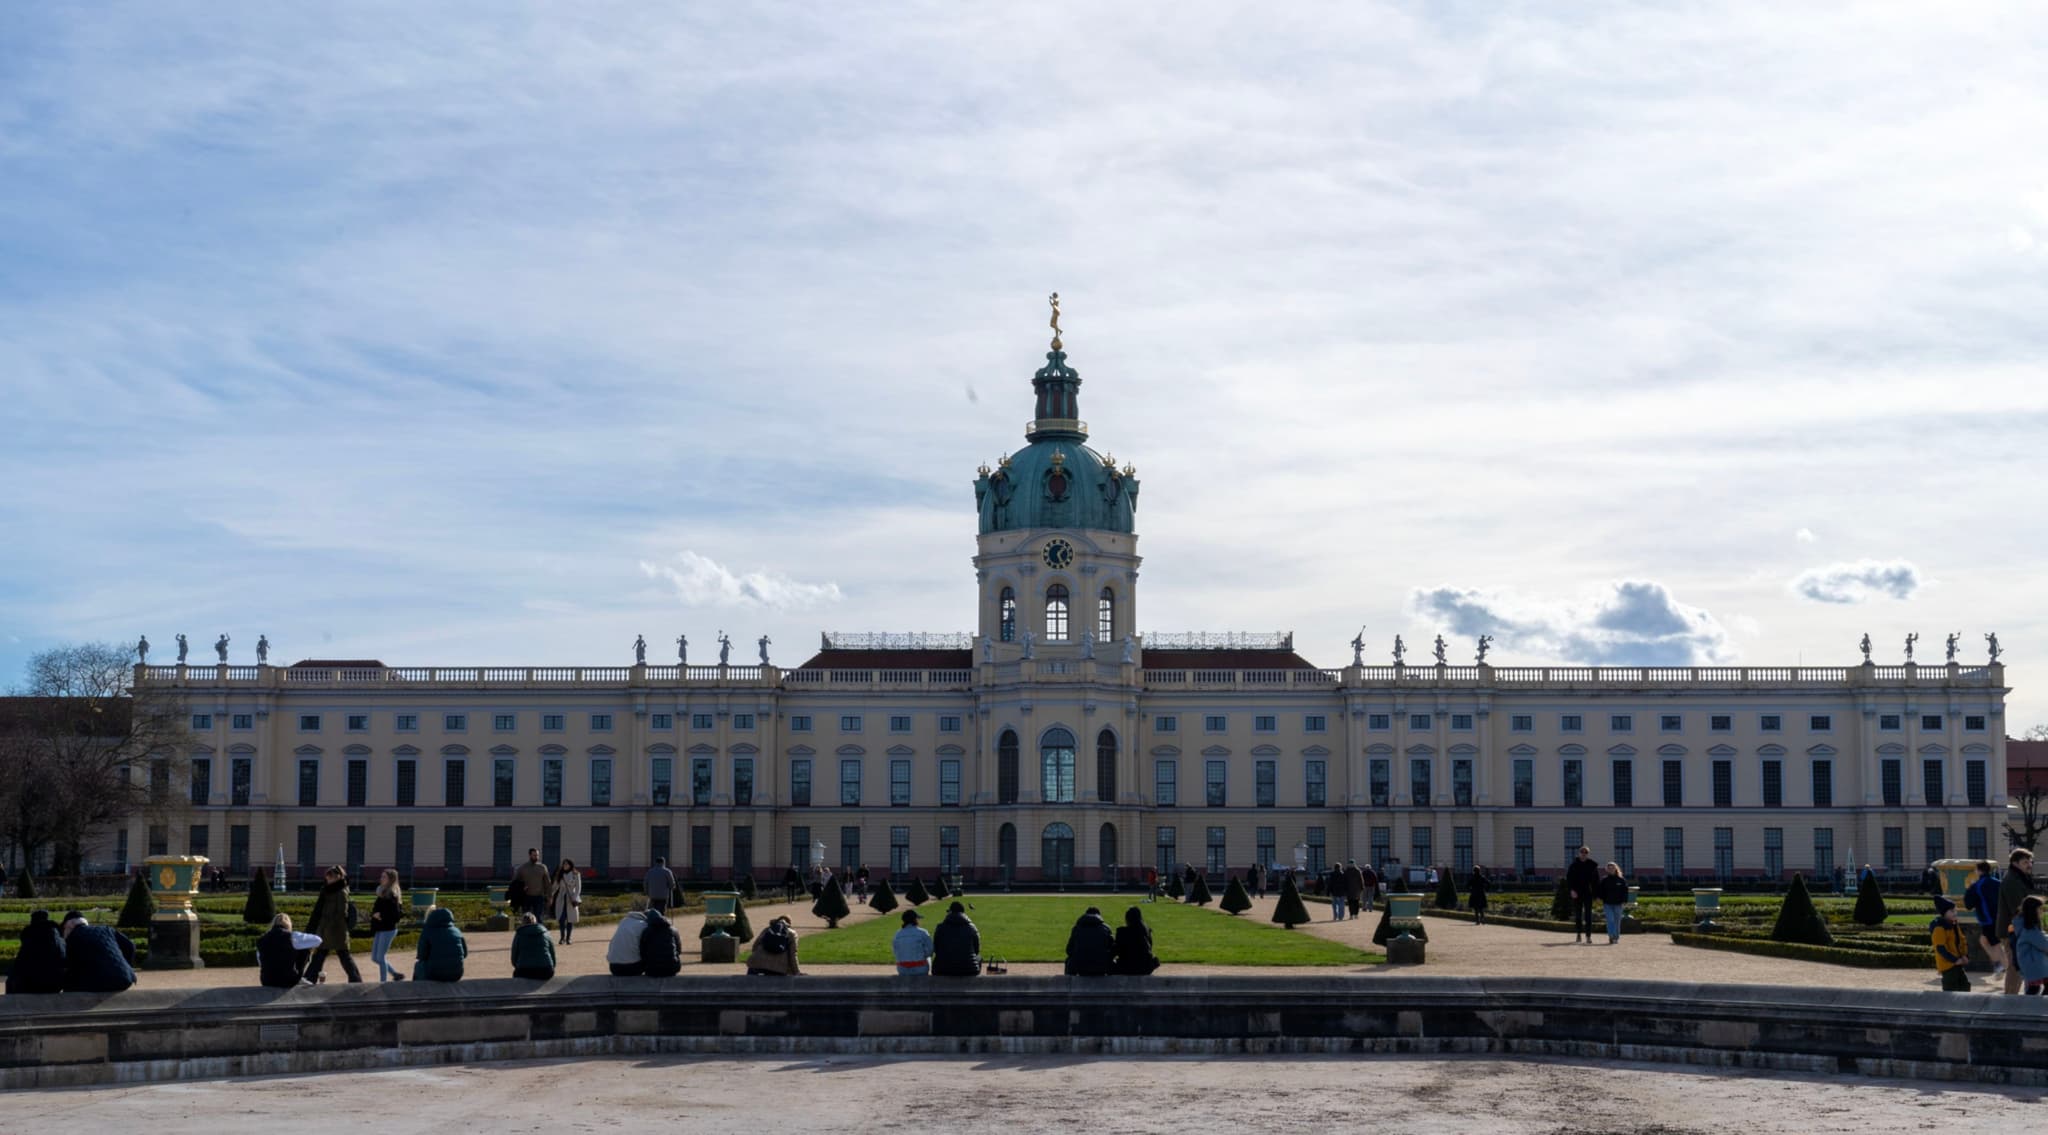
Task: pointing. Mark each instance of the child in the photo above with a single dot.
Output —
(1950, 951)
(2030, 946)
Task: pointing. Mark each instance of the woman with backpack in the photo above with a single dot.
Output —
(334, 915)
(774, 952)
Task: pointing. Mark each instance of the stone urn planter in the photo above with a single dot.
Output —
(174, 928)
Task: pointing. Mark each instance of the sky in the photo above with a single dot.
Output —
(502, 333)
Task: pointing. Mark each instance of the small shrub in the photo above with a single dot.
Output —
(140, 905)
(748, 890)
(261, 907)
(1870, 908)
(24, 885)
(1290, 912)
(917, 895)
(831, 905)
(884, 899)
(1235, 898)
(1798, 921)
(1561, 902)
(1199, 895)
(938, 887)
(1176, 892)
(1447, 891)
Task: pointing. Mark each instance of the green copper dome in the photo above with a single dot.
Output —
(1056, 481)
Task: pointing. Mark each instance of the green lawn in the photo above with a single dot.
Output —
(1018, 928)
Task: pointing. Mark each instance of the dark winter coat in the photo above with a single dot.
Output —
(1476, 889)
(1134, 950)
(2012, 891)
(956, 947)
(1372, 881)
(441, 948)
(1612, 890)
(1982, 899)
(1091, 948)
(98, 959)
(661, 948)
(385, 914)
(532, 948)
(278, 965)
(1582, 878)
(330, 916)
(1354, 882)
(39, 967)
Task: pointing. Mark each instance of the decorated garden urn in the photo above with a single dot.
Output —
(174, 928)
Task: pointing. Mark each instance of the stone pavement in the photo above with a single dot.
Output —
(1455, 949)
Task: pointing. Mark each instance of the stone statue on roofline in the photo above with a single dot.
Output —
(724, 649)
(763, 644)
(1358, 648)
(1400, 650)
(1441, 646)
(1910, 640)
(1991, 640)
(142, 650)
(263, 650)
(1866, 646)
(220, 647)
(182, 647)
(1953, 636)
(1485, 641)
(639, 650)
(682, 650)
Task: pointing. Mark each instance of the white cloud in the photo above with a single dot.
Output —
(700, 580)
(1858, 581)
(1805, 536)
(1628, 623)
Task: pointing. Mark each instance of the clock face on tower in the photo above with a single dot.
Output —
(1058, 554)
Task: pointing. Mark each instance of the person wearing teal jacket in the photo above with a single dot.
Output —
(533, 952)
(441, 948)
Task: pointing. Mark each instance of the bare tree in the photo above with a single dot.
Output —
(2030, 803)
(82, 750)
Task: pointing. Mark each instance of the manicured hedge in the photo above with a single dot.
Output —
(1834, 955)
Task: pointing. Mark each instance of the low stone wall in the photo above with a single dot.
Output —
(162, 1035)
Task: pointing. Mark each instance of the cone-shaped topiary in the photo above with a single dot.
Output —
(1198, 895)
(1561, 902)
(24, 885)
(1446, 892)
(742, 928)
(1870, 909)
(831, 905)
(1290, 912)
(1385, 929)
(261, 907)
(140, 905)
(917, 895)
(1174, 891)
(884, 899)
(938, 887)
(1798, 921)
(1236, 900)
(747, 888)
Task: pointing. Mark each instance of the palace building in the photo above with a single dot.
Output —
(1055, 743)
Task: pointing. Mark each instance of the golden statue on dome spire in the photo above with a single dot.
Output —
(1054, 300)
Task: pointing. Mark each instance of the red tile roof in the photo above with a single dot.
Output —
(1226, 660)
(2021, 759)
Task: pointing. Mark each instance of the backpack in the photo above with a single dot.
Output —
(352, 914)
(775, 939)
(1970, 900)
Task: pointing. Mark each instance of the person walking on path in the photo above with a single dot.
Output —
(1091, 946)
(2030, 946)
(1372, 885)
(1134, 954)
(385, 914)
(533, 952)
(532, 878)
(792, 882)
(912, 948)
(1580, 880)
(623, 954)
(442, 948)
(1354, 887)
(661, 883)
(661, 947)
(1951, 952)
(1981, 899)
(956, 945)
(774, 952)
(1337, 887)
(1613, 891)
(568, 900)
(330, 921)
(39, 966)
(1475, 892)
(2012, 891)
(860, 883)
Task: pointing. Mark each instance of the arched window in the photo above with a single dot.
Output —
(1007, 605)
(1006, 850)
(1105, 767)
(1006, 768)
(1056, 766)
(1056, 853)
(1056, 613)
(1105, 616)
(1106, 848)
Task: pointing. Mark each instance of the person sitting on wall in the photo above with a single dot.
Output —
(774, 952)
(956, 945)
(623, 954)
(282, 953)
(661, 948)
(1134, 954)
(441, 949)
(533, 950)
(912, 947)
(1091, 946)
(96, 959)
(39, 966)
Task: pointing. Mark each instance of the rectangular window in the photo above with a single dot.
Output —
(1379, 721)
(1823, 784)
(1937, 845)
(899, 723)
(800, 848)
(1574, 839)
(700, 851)
(1165, 852)
(702, 721)
(1973, 723)
(1461, 850)
(949, 781)
(1266, 847)
(1165, 723)
(508, 722)
(600, 782)
(309, 723)
(800, 783)
(404, 722)
(1421, 722)
(159, 837)
(359, 722)
(1933, 790)
(1461, 783)
(1774, 853)
(553, 722)
(1166, 783)
(1891, 781)
(1571, 723)
(661, 722)
(899, 852)
(601, 849)
(1621, 723)
(1721, 723)
(849, 783)
(160, 783)
(1420, 846)
(238, 849)
(1930, 722)
(1625, 850)
(1724, 784)
(1383, 848)
(949, 849)
(1315, 723)
(661, 779)
(849, 723)
(1215, 723)
(1315, 777)
(198, 839)
(1888, 723)
(659, 845)
(1674, 852)
(849, 850)
(743, 782)
(1265, 723)
(1820, 722)
(899, 784)
(949, 723)
(1770, 722)
(241, 771)
(241, 722)
(202, 781)
(309, 854)
(201, 722)
(1774, 784)
(1574, 794)
(1724, 854)
(1318, 851)
(1973, 783)
(1418, 782)
(700, 781)
(1624, 784)
(457, 723)
(1670, 723)
(600, 723)
(743, 721)
(1461, 722)
(1216, 861)
(551, 843)
(1381, 782)
(799, 723)
(406, 783)
(1674, 784)
(451, 853)
(453, 790)
(1823, 852)
(1265, 784)
(309, 784)
(1979, 842)
(503, 771)
(1213, 787)
(1525, 783)
(1525, 851)
(1522, 723)
(1894, 848)
(358, 783)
